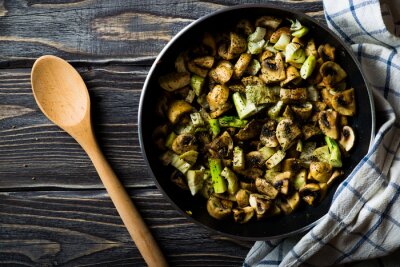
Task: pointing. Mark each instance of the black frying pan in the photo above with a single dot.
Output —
(302, 219)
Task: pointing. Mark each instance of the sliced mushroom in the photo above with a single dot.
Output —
(309, 131)
(260, 203)
(218, 97)
(294, 201)
(180, 62)
(327, 97)
(237, 45)
(245, 26)
(193, 68)
(320, 106)
(251, 173)
(292, 165)
(243, 215)
(292, 74)
(311, 49)
(347, 138)
(335, 175)
(286, 133)
(179, 179)
(174, 81)
(266, 188)
(223, 72)
(250, 131)
(241, 64)
(303, 110)
(183, 143)
(242, 197)
(272, 67)
(223, 145)
(176, 109)
(277, 34)
(268, 134)
(320, 171)
(219, 208)
(255, 159)
(288, 113)
(268, 22)
(344, 102)
(327, 52)
(209, 42)
(327, 121)
(281, 182)
(293, 95)
(204, 62)
(331, 73)
(310, 193)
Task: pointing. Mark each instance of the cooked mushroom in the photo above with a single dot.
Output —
(219, 208)
(347, 138)
(241, 64)
(288, 113)
(277, 34)
(327, 52)
(268, 22)
(221, 110)
(320, 171)
(204, 62)
(174, 81)
(268, 134)
(294, 200)
(222, 73)
(303, 110)
(243, 215)
(255, 159)
(293, 95)
(327, 121)
(179, 179)
(310, 193)
(292, 75)
(250, 131)
(209, 41)
(281, 182)
(266, 188)
(251, 173)
(176, 109)
(184, 143)
(326, 97)
(242, 197)
(248, 185)
(311, 49)
(286, 133)
(245, 26)
(237, 45)
(309, 131)
(331, 73)
(194, 68)
(272, 67)
(344, 102)
(292, 165)
(335, 175)
(218, 97)
(223, 145)
(260, 203)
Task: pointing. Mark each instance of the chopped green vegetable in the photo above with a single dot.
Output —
(299, 146)
(254, 67)
(197, 120)
(260, 94)
(275, 159)
(321, 153)
(180, 164)
(233, 183)
(190, 96)
(170, 138)
(232, 121)
(335, 157)
(275, 110)
(300, 33)
(294, 53)
(267, 152)
(197, 83)
(308, 67)
(295, 26)
(214, 125)
(255, 47)
(257, 35)
(283, 41)
(238, 158)
(300, 179)
(195, 180)
(244, 108)
(219, 183)
(190, 156)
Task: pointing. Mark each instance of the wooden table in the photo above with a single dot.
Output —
(53, 208)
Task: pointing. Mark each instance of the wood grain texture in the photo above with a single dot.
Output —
(89, 30)
(82, 228)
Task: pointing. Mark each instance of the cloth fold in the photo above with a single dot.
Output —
(363, 221)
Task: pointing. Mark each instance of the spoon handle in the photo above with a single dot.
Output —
(133, 221)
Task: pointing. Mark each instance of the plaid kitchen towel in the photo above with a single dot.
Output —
(364, 219)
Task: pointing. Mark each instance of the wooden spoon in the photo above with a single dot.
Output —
(63, 97)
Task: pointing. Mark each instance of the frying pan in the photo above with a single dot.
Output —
(277, 227)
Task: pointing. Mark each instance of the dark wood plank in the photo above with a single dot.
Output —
(103, 31)
(82, 228)
(30, 146)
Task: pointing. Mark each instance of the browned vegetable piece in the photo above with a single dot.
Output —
(243, 215)
(192, 67)
(320, 171)
(159, 135)
(204, 62)
(223, 72)
(219, 208)
(292, 75)
(255, 159)
(281, 182)
(209, 41)
(327, 97)
(241, 64)
(180, 62)
(183, 143)
(251, 173)
(288, 113)
(218, 97)
(245, 26)
(174, 81)
(179, 179)
(242, 198)
(290, 204)
(260, 203)
(327, 121)
(320, 106)
(252, 80)
(218, 112)
(327, 52)
(311, 48)
(347, 138)
(292, 165)
(268, 22)
(316, 77)
(310, 193)
(277, 34)
(268, 134)
(272, 67)
(266, 188)
(176, 109)
(237, 45)
(335, 175)
(331, 73)
(286, 133)
(344, 102)
(237, 87)
(293, 95)
(303, 110)
(223, 145)
(250, 131)
(248, 185)
(309, 131)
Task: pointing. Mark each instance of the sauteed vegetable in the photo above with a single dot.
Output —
(256, 119)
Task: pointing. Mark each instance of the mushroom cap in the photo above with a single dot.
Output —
(347, 138)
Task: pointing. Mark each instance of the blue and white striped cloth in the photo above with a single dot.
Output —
(364, 219)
